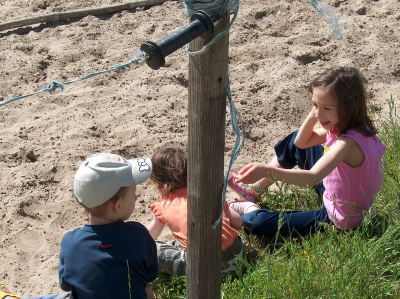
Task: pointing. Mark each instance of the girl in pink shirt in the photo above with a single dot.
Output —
(341, 159)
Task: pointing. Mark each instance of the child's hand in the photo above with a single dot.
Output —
(251, 173)
(313, 114)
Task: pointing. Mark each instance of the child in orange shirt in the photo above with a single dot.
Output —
(170, 177)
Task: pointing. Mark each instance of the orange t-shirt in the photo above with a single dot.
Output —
(172, 210)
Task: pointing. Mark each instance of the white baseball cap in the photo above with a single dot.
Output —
(100, 177)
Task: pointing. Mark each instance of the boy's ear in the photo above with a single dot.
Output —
(117, 204)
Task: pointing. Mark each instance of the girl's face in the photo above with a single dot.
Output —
(128, 200)
(325, 108)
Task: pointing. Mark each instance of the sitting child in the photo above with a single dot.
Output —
(170, 177)
(341, 159)
(108, 257)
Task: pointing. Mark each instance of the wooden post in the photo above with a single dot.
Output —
(208, 75)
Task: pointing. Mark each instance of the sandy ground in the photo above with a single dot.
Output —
(276, 48)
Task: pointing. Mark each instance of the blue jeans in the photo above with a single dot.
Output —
(265, 223)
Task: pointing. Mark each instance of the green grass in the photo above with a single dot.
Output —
(363, 263)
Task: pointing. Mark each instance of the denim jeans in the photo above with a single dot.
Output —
(295, 223)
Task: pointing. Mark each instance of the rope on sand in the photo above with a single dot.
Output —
(216, 9)
(138, 58)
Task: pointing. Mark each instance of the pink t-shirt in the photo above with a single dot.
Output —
(349, 191)
(172, 211)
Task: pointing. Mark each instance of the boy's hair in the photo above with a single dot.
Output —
(169, 169)
(101, 210)
(346, 84)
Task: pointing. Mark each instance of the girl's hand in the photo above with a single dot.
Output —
(251, 173)
(313, 114)
(309, 136)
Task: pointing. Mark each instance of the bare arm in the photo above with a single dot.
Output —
(155, 228)
(300, 177)
(307, 136)
(149, 293)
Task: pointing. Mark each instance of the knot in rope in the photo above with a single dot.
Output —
(140, 57)
(52, 87)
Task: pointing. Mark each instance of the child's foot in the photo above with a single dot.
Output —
(244, 191)
(243, 206)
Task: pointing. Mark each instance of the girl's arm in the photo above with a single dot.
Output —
(328, 162)
(150, 293)
(155, 228)
(307, 136)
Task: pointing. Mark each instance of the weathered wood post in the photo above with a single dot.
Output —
(206, 115)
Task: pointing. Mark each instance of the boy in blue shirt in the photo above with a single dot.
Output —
(108, 257)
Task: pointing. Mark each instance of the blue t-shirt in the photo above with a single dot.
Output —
(114, 260)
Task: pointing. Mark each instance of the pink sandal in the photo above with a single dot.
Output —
(247, 193)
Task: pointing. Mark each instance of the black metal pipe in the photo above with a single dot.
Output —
(200, 24)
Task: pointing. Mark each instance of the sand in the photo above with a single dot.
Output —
(276, 48)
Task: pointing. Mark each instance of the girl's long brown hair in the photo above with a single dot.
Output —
(346, 84)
